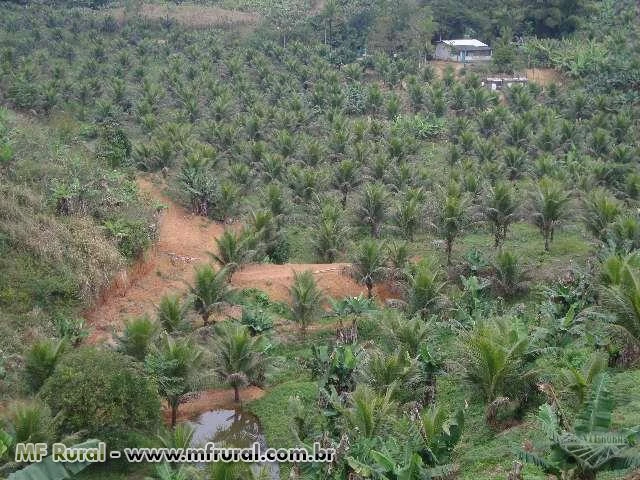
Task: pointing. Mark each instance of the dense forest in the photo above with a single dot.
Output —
(287, 216)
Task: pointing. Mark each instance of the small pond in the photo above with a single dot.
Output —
(231, 428)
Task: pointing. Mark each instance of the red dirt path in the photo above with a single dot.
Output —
(184, 240)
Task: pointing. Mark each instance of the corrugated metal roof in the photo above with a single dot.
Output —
(465, 42)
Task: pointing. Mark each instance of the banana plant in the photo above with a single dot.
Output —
(591, 447)
(49, 469)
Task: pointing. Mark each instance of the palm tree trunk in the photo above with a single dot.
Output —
(546, 241)
(369, 285)
(449, 248)
(205, 318)
(236, 394)
(174, 411)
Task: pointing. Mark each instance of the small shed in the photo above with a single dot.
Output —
(463, 50)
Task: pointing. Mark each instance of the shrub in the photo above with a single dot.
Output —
(104, 393)
(508, 273)
(41, 360)
(256, 319)
(114, 147)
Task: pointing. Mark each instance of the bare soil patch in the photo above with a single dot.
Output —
(275, 280)
(544, 76)
(183, 243)
(197, 16)
(441, 65)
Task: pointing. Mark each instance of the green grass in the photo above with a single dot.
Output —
(274, 417)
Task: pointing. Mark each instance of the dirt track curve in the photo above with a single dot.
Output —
(183, 242)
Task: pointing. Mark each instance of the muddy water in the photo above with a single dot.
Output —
(231, 428)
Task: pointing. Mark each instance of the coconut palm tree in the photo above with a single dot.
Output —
(330, 233)
(500, 208)
(550, 200)
(369, 263)
(137, 337)
(395, 371)
(240, 358)
(407, 334)
(407, 216)
(373, 207)
(601, 209)
(175, 364)
(40, 361)
(451, 218)
(619, 296)
(210, 290)
(368, 412)
(423, 288)
(234, 250)
(346, 177)
(494, 360)
(306, 299)
(171, 314)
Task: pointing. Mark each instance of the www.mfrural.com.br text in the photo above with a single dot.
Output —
(209, 453)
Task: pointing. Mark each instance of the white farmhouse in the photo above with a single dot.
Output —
(464, 50)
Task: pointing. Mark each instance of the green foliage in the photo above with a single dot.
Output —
(550, 200)
(424, 284)
(495, 359)
(132, 237)
(509, 274)
(240, 358)
(579, 381)
(171, 314)
(256, 319)
(441, 432)
(500, 210)
(234, 249)
(103, 392)
(29, 422)
(367, 412)
(53, 470)
(210, 290)
(373, 207)
(451, 218)
(591, 447)
(173, 364)
(137, 337)
(306, 299)
(114, 146)
(40, 361)
(369, 263)
(335, 367)
(352, 306)
(601, 210)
